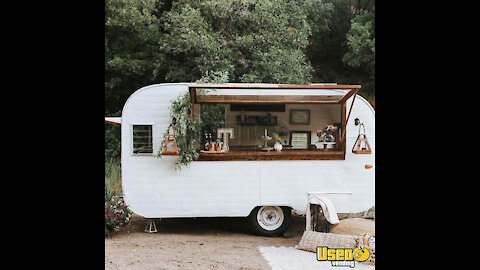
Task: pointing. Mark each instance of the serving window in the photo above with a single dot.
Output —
(273, 124)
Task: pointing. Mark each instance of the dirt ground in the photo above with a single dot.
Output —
(201, 243)
(187, 243)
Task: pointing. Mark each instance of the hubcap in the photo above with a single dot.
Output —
(270, 218)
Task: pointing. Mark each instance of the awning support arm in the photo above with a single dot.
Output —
(348, 95)
(348, 116)
(193, 95)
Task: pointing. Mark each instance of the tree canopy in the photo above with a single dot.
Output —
(269, 41)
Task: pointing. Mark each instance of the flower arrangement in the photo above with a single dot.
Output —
(117, 214)
(277, 138)
(327, 134)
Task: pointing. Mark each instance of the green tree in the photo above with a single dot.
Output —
(361, 46)
(270, 41)
(336, 48)
(131, 55)
(112, 142)
(254, 41)
(330, 23)
(131, 38)
(361, 43)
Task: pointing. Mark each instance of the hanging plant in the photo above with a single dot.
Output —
(187, 130)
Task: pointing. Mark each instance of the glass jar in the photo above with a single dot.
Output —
(329, 138)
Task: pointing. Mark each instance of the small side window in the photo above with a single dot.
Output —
(142, 139)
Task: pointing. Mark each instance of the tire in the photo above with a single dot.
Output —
(270, 220)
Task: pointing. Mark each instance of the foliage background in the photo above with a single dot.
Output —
(270, 41)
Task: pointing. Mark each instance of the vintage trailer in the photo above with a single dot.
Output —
(246, 180)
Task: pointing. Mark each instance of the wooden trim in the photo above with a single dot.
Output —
(273, 99)
(277, 99)
(266, 102)
(110, 122)
(237, 155)
(195, 111)
(277, 86)
(348, 116)
(351, 107)
(361, 152)
(344, 126)
(348, 95)
(193, 95)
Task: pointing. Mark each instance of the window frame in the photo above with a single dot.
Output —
(132, 142)
(338, 155)
(292, 154)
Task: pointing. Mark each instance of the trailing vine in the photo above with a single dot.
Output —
(188, 131)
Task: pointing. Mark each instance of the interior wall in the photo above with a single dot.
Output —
(320, 116)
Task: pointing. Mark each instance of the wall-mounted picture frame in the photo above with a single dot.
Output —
(300, 139)
(299, 117)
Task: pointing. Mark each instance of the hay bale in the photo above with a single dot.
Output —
(354, 226)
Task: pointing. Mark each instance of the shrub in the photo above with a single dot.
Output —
(113, 177)
(112, 142)
(117, 214)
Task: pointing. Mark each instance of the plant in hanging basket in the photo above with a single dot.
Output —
(186, 131)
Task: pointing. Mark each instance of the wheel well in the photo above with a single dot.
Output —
(269, 205)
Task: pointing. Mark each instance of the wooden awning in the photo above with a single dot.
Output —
(113, 120)
(271, 93)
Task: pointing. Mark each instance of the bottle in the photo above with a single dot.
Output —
(218, 146)
(206, 142)
(211, 144)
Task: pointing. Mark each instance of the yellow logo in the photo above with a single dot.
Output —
(361, 254)
(342, 256)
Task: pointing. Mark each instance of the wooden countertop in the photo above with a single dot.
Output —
(237, 154)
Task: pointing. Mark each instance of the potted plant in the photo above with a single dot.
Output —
(326, 137)
(278, 146)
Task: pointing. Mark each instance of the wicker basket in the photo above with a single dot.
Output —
(311, 240)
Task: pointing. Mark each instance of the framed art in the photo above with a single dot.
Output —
(299, 117)
(300, 139)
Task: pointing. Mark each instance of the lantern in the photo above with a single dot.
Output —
(170, 147)
(361, 139)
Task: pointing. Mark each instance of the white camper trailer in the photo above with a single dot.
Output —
(251, 178)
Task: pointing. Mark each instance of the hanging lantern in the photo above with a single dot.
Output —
(170, 147)
(361, 139)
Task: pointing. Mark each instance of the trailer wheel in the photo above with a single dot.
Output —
(270, 220)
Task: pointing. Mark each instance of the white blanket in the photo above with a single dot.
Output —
(327, 207)
(289, 258)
